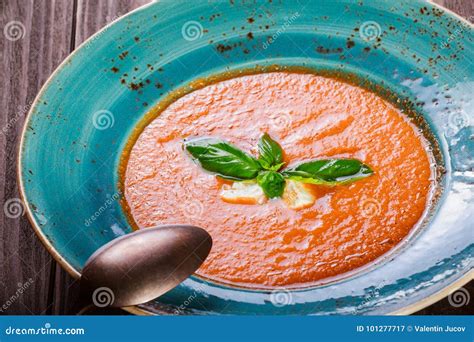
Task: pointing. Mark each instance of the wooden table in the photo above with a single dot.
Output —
(54, 28)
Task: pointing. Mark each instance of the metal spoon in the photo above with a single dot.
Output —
(143, 265)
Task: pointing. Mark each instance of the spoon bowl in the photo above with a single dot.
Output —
(143, 265)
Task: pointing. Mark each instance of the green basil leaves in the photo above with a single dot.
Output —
(222, 158)
(270, 153)
(228, 161)
(272, 183)
(328, 172)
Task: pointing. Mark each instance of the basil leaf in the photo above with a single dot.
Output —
(275, 167)
(272, 183)
(222, 158)
(270, 153)
(329, 172)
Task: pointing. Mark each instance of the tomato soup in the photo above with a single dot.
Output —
(311, 116)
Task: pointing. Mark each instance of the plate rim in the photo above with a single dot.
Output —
(136, 310)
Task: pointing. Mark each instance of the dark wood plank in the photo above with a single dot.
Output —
(464, 8)
(459, 298)
(36, 41)
(91, 16)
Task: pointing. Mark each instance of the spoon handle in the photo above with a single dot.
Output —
(83, 303)
(85, 309)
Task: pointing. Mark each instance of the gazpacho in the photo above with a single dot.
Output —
(297, 177)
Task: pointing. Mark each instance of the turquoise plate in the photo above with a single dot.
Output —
(82, 118)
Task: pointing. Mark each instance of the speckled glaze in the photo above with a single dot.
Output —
(81, 121)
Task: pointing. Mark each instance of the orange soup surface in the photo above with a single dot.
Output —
(311, 117)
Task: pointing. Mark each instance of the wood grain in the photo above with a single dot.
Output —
(464, 8)
(52, 29)
(26, 64)
(93, 15)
